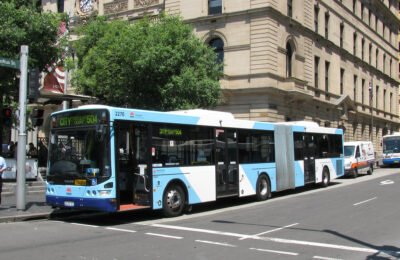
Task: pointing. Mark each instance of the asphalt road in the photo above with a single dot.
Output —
(351, 219)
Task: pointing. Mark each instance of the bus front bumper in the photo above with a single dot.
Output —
(108, 204)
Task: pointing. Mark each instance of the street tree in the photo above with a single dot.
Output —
(152, 64)
(21, 23)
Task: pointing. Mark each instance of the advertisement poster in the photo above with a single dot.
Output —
(31, 169)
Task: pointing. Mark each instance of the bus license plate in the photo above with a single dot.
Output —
(80, 182)
(69, 203)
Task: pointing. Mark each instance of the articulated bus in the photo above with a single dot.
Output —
(391, 149)
(116, 159)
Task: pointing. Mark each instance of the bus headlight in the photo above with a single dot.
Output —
(104, 193)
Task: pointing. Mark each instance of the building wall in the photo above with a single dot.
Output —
(256, 34)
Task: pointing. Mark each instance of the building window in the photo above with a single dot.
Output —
(377, 57)
(354, 6)
(218, 46)
(390, 68)
(390, 102)
(384, 64)
(362, 11)
(341, 34)
(290, 8)
(384, 100)
(362, 48)
(326, 25)
(214, 7)
(341, 81)
(370, 54)
(376, 97)
(376, 23)
(355, 88)
(327, 76)
(289, 58)
(316, 74)
(60, 6)
(362, 90)
(316, 12)
(369, 17)
(355, 44)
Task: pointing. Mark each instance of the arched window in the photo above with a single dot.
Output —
(289, 56)
(218, 46)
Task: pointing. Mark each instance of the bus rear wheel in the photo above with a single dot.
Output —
(173, 201)
(263, 188)
(325, 177)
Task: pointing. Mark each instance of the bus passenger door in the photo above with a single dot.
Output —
(132, 164)
(227, 178)
(309, 158)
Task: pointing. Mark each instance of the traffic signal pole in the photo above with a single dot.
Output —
(21, 150)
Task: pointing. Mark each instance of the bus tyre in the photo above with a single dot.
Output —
(355, 173)
(371, 169)
(263, 188)
(325, 177)
(173, 201)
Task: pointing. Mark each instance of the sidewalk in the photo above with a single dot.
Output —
(35, 208)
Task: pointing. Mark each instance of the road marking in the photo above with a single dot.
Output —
(270, 231)
(161, 235)
(274, 251)
(325, 258)
(277, 240)
(358, 203)
(120, 229)
(84, 225)
(215, 243)
(387, 182)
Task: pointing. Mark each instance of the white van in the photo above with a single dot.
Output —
(359, 157)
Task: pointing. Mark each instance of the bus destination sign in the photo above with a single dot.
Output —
(79, 119)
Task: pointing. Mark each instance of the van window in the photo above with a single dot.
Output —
(358, 152)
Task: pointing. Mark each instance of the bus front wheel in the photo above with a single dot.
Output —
(173, 201)
(325, 177)
(263, 188)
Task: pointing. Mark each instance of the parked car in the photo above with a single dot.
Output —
(359, 157)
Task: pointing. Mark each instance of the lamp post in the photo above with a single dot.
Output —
(371, 94)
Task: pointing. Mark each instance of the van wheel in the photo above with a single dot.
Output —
(263, 188)
(355, 173)
(173, 201)
(371, 169)
(325, 177)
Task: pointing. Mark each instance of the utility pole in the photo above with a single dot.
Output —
(371, 95)
(21, 148)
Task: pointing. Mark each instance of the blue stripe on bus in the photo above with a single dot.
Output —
(163, 176)
(252, 172)
(338, 164)
(82, 203)
(298, 174)
(152, 116)
(391, 161)
(263, 126)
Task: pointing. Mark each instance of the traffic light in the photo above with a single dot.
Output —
(37, 117)
(7, 116)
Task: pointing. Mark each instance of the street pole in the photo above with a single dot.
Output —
(21, 148)
(371, 95)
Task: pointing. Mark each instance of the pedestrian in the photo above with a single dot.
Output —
(3, 168)
(32, 152)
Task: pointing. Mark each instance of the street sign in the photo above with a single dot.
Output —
(4, 62)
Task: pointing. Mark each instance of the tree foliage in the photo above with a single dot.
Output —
(153, 64)
(21, 23)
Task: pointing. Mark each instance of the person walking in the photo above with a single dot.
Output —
(3, 168)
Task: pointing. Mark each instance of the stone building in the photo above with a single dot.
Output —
(333, 62)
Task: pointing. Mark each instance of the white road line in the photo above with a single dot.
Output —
(215, 243)
(120, 229)
(274, 251)
(270, 231)
(277, 240)
(161, 235)
(84, 225)
(358, 203)
(325, 258)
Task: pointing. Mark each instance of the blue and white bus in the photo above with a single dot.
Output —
(391, 149)
(115, 159)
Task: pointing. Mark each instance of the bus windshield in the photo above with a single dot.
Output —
(391, 144)
(349, 151)
(79, 153)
